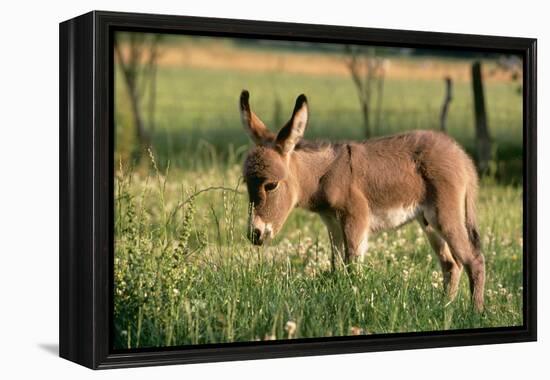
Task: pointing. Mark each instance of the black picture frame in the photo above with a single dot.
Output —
(86, 188)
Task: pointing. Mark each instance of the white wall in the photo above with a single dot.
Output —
(29, 185)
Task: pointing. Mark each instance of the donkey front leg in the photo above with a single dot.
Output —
(336, 238)
(356, 239)
(356, 228)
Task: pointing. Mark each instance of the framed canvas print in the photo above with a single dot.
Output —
(237, 189)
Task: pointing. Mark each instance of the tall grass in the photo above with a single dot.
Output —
(185, 273)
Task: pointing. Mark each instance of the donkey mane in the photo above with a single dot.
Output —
(320, 144)
(314, 145)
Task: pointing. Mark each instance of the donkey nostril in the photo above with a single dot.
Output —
(256, 234)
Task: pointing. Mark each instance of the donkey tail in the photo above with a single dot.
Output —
(471, 220)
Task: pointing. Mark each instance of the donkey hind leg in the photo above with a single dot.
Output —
(336, 237)
(453, 229)
(452, 270)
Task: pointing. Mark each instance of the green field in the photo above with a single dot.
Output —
(185, 273)
(198, 122)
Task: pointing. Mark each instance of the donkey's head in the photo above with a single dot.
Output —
(272, 186)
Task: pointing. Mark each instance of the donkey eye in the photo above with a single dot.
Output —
(270, 186)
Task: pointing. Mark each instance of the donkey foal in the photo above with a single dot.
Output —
(359, 188)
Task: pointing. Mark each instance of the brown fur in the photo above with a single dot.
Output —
(359, 188)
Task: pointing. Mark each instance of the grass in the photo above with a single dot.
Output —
(185, 273)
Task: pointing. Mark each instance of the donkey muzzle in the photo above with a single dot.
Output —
(259, 232)
(255, 236)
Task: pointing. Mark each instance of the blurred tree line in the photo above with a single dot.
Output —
(137, 55)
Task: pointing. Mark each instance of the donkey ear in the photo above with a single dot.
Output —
(252, 123)
(293, 131)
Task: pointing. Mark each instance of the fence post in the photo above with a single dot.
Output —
(483, 139)
(446, 101)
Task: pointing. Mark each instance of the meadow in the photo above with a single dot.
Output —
(185, 272)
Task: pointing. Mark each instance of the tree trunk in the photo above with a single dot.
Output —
(483, 138)
(277, 112)
(379, 99)
(141, 133)
(446, 102)
(366, 119)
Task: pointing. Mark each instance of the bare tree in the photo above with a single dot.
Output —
(446, 102)
(367, 72)
(275, 78)
(512, 66)
(380, 94)
(138, 58)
